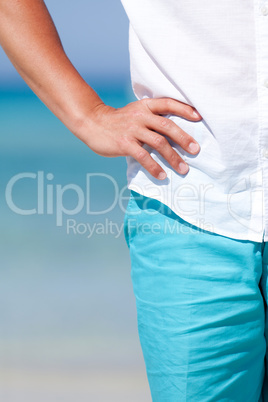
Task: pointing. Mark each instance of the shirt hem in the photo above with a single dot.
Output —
(258, 237)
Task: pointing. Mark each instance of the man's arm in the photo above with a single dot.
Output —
(30, 39)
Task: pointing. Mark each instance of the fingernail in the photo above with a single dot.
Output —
(183, 168)
(194, 147)
(196, 114)
(162, 175)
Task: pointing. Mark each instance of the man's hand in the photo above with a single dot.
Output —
(121, 132)
(30, 39)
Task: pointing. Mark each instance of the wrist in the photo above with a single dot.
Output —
(76, 107)
(91, 123)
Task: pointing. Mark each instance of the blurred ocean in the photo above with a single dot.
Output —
(68, 327)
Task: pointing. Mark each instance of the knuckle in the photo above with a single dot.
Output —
(159, 141)
(174, 158)
(145, 101)
(141, 155)
(131, 127)
(165, 122)
(181, 137)
(137, 114)
(168, 102)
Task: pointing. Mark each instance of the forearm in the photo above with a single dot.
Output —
(29, 38)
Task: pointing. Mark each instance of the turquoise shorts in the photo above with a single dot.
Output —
(201, 307)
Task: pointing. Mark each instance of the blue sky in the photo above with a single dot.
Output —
(94, 35)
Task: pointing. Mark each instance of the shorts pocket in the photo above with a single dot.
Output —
(126, 218)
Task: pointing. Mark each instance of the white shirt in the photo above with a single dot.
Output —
(214, 56)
